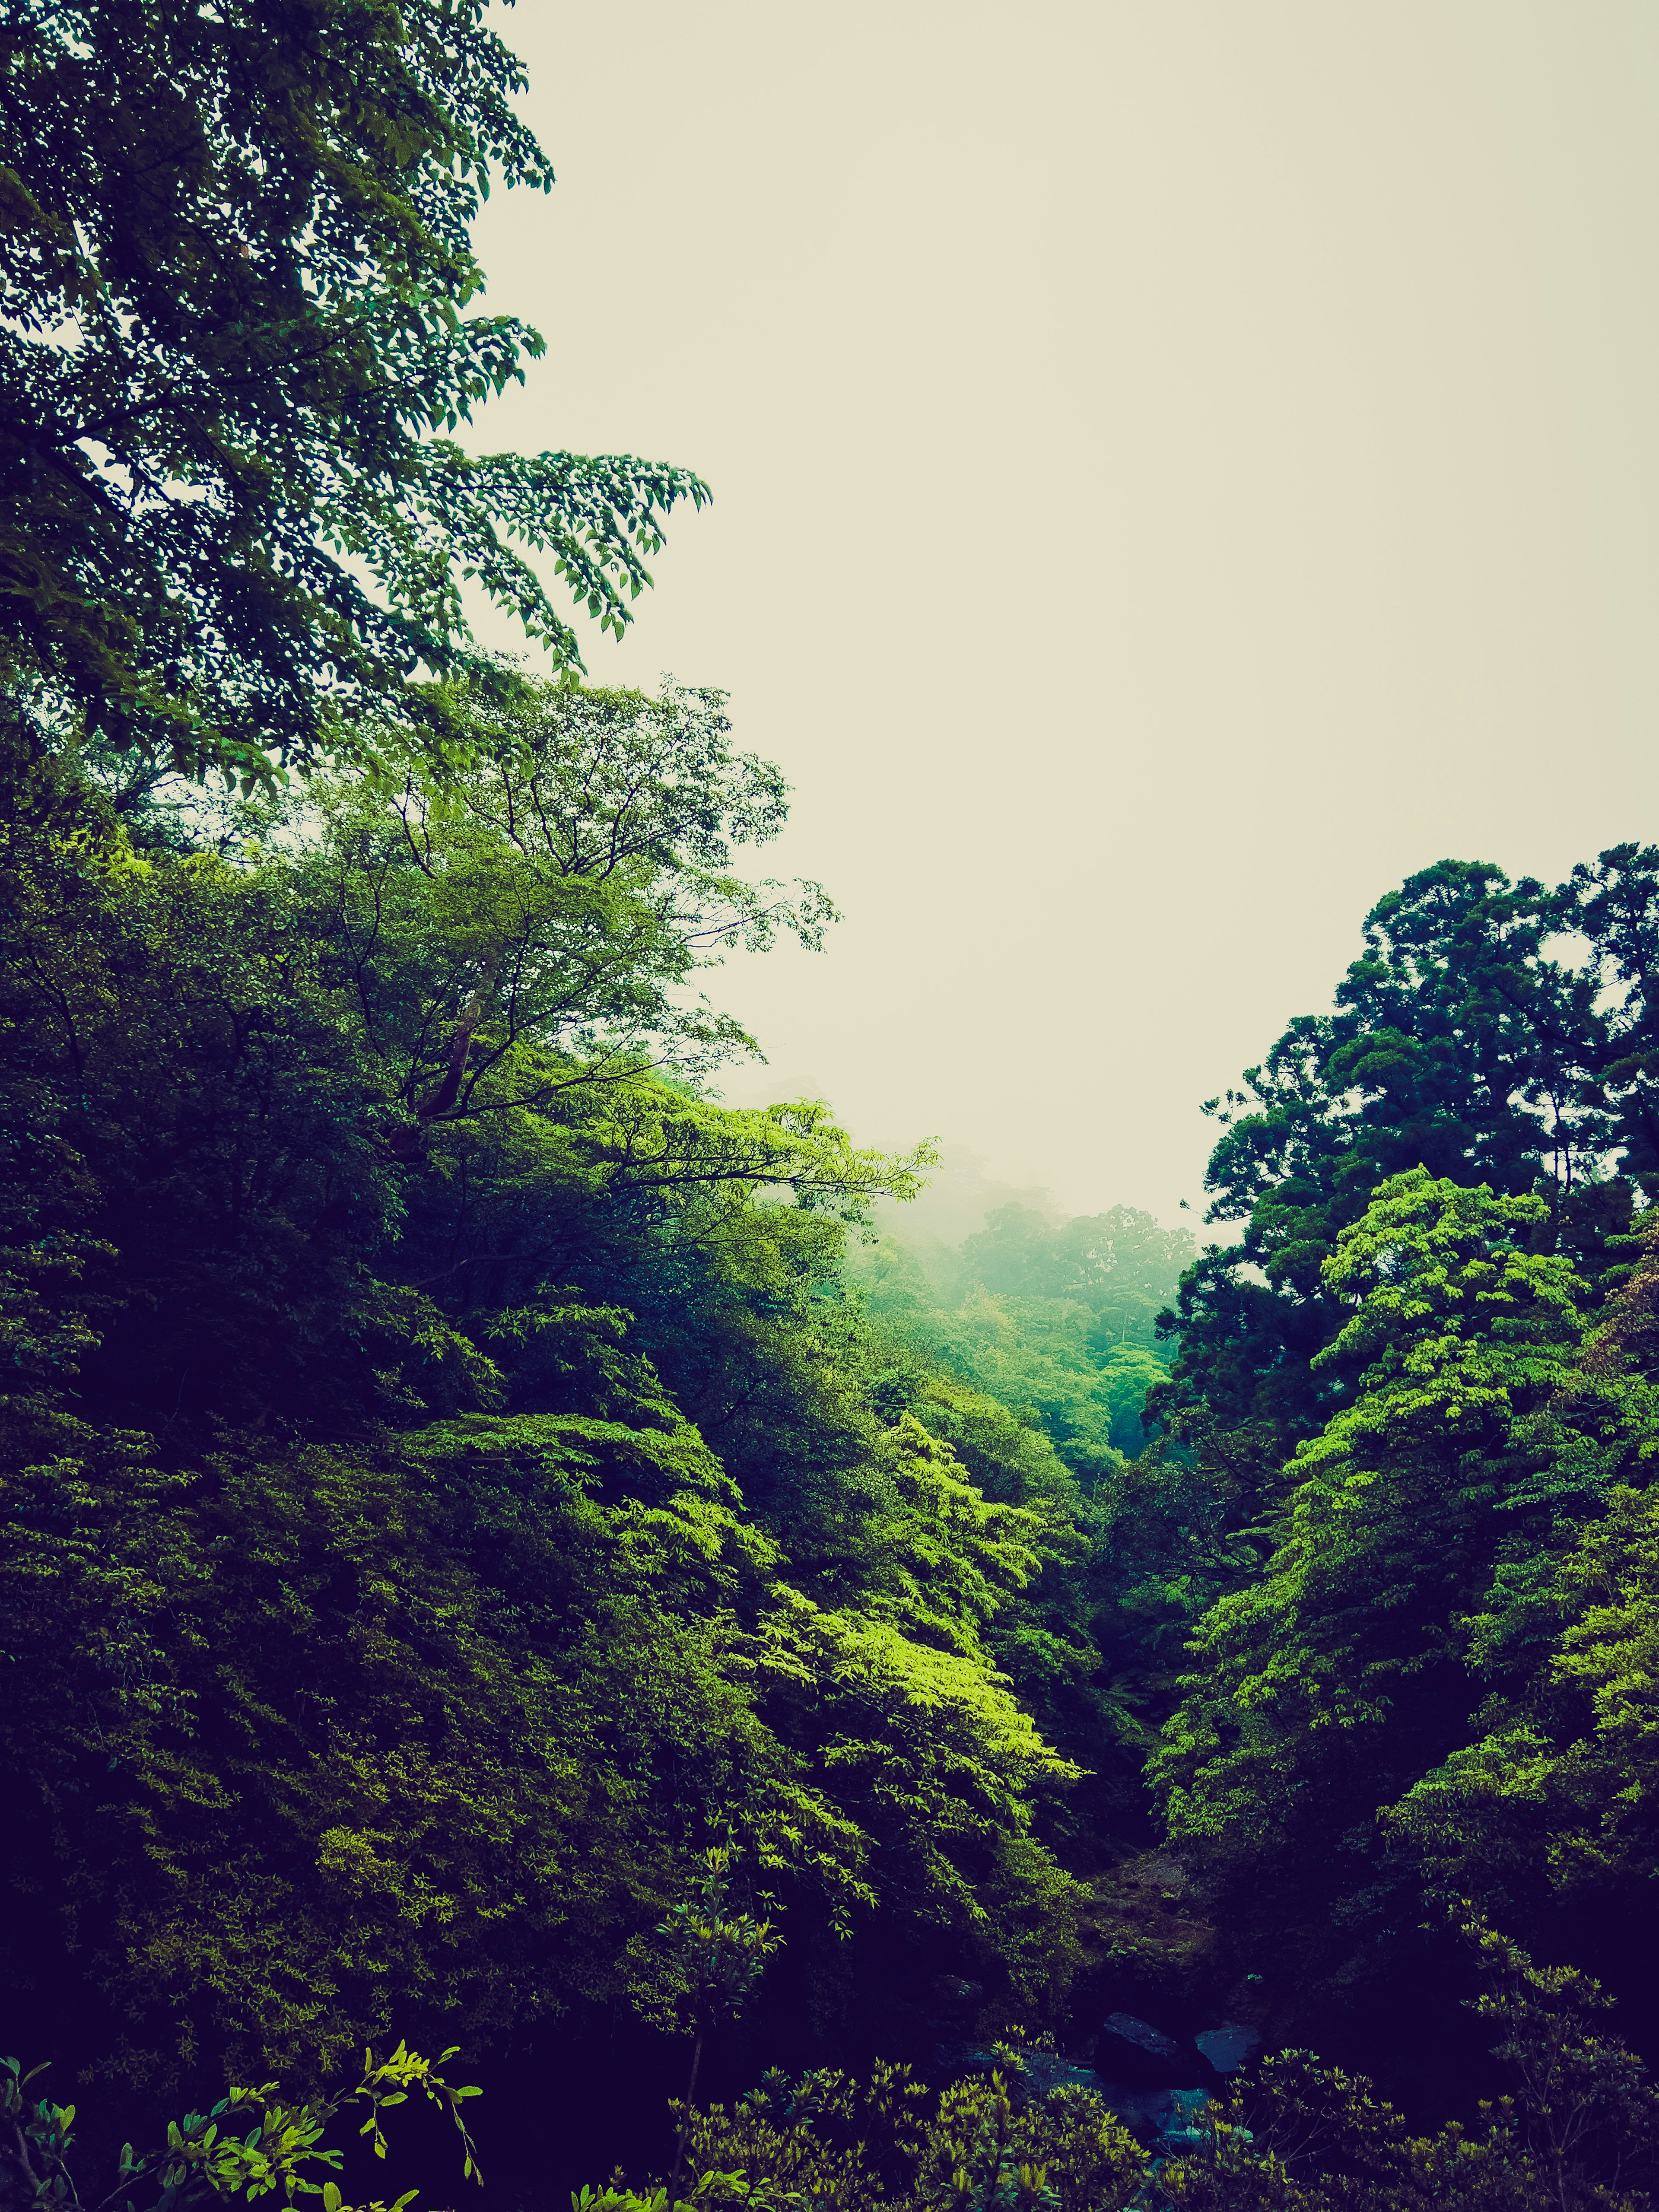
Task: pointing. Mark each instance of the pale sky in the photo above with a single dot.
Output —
(1178, 468)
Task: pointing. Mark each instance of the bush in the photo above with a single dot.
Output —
(893, 2142)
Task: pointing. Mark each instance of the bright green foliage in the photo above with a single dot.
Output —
(1562, 1788)
(1325, 1688)
(1445, 1627)
(237, 263)
(946, 1555)
(1326, 1681)
(1045, 1357)
(1031, 1351)
(202, 2159)
(892, 2145)
(552, 904)
(450, 1476)
(1463, 1524)
(311, 1736)
(905, 1721)
(383, 1632)
(256, 1050)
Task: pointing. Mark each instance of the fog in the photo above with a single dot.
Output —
(1177, 469)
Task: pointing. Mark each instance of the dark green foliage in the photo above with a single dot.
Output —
(1458, 1335)
(1463, 1042)
(236, 267)
(1578, 2133)
(458, 1479)
(1556, 1796)
(1423, 1667)
(1416, 1553)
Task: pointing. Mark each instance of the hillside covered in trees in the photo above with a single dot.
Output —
(501, 1550)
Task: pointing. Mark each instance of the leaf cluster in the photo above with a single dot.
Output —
(235, 344)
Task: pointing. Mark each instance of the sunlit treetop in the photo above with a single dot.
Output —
(235, 271)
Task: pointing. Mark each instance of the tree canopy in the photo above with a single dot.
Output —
(238, 336)
(1490, 1032)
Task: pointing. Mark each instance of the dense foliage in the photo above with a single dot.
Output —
(498, 1545)
(1055, 1320)
(1492, 1032)
(1433, 1685)
(235, 346)
(457, 1472)
(1577, 2131)
(384, 1629)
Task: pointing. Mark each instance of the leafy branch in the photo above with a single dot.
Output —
(250, 2144)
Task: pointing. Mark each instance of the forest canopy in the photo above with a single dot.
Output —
(458, 1470)
(238, 336)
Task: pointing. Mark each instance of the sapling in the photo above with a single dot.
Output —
(720, 1956)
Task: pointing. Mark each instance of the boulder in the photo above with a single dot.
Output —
(1135, 2055)
(1228, 2046)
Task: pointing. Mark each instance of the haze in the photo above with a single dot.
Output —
(1177, 468)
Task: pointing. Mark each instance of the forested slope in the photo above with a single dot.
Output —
(456, 1491)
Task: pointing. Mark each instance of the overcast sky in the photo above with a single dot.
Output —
(1178, 468)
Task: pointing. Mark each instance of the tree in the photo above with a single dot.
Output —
(1119, 1265)
(533, 924)
(1579, 2133)
(719, 1956)
(396, 1022)
(1466, 1042)
(306, 1734)
(1552, 1810)
(234, 346)
(1054, 1320)
(1324, 1689)
(1614, 905)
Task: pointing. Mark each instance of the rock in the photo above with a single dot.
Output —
(1165, 2120)
(1140, 2056)
(1158, 1870)
(1145, 2037)
(1228, 2046)
(1045, 2070)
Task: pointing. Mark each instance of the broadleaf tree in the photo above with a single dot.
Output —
(240, 330)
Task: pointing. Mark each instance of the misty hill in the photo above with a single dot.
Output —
(1054, 1318)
